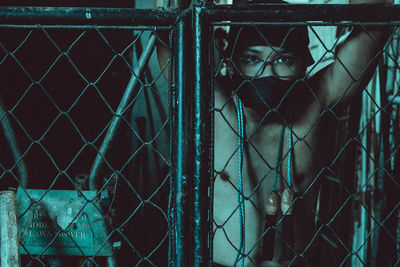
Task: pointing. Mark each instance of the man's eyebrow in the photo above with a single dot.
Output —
(273, 50)
(280, 50)
(252, 50)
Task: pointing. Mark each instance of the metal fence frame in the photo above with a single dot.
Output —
(192, 213)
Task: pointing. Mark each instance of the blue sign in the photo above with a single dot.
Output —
(61, 222)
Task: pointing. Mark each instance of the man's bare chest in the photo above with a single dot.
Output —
(267, 153)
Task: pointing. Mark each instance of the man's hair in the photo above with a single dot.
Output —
(291, 38)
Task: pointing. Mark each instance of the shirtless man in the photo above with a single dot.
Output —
(281, 110)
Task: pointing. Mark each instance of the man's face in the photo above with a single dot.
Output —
(257, 61)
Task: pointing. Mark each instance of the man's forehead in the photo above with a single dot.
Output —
(272, 41)
(293, 39)
(265, 49)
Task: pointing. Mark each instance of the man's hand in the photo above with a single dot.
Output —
(163, 52)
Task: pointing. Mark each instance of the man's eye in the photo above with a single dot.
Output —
(250, 60)
(288, 60)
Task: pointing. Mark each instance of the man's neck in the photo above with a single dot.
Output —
(271, 117)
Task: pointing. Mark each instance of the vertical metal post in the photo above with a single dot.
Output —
(202, 136)
(181, 141)
(9, 242)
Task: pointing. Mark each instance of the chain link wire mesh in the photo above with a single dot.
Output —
(61, 89)
(338, 160)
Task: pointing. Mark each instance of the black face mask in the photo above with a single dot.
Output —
(266, 93)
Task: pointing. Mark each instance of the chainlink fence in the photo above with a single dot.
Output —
(71, 93)
(118, 161)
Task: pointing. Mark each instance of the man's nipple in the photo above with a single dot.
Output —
(224, 175)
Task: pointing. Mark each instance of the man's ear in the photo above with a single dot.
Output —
(229, 68)
(220, 37)
(220, 43)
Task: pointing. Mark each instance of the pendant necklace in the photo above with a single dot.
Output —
(276, 200)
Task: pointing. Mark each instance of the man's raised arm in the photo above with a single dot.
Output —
(355, 61)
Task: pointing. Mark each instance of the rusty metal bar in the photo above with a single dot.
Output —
(202, 137)
(181, 138)
(9, 242)
(86, 16)
(304, 12)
